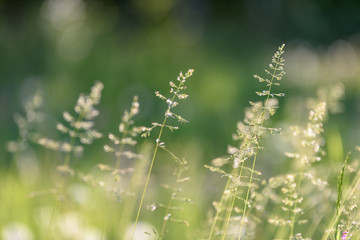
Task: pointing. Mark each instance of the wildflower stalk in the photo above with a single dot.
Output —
(168, 114)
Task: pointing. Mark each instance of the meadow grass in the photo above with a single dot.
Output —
(108, 201)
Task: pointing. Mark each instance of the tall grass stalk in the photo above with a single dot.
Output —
(217, 215)
(279, 62)
(127, 133)
(231, 207)
(339, 195)
(176, 91)
(148, 175)
(249, 134)
(136, 180)
(293, 215)
(340, 203)
(79, 128)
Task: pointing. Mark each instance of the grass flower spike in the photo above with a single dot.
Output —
(78, 129)
(177, 94)
(242, 157)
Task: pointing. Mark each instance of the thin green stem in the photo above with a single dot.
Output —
(148, 176)
(340, 187)
(337, 216)
(117, 166)
(229, 211)
(221, 204)
(153, 159)
(247, 197)
(293, 215)
(130, 202)
(163, 227)
(51, 219)
(62, 185)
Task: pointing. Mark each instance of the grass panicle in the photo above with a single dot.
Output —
(248, 136)
(308, 144)
(78, 129)
(26, 125)
(121, 146)
(304, 183)
(123, 149)
(177, 94)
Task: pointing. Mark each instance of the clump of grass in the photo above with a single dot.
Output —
(307, 142)
(177, 94)
(297, 186)
(249, 133)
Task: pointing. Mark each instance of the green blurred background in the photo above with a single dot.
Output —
(138, 46)
(135, 47)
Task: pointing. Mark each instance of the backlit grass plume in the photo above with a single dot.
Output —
(122, 184)
(26, 125)
(79, 131)
(176, 94)
(122, 145)
(79, 128)
(243, 156)
(308, 145)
